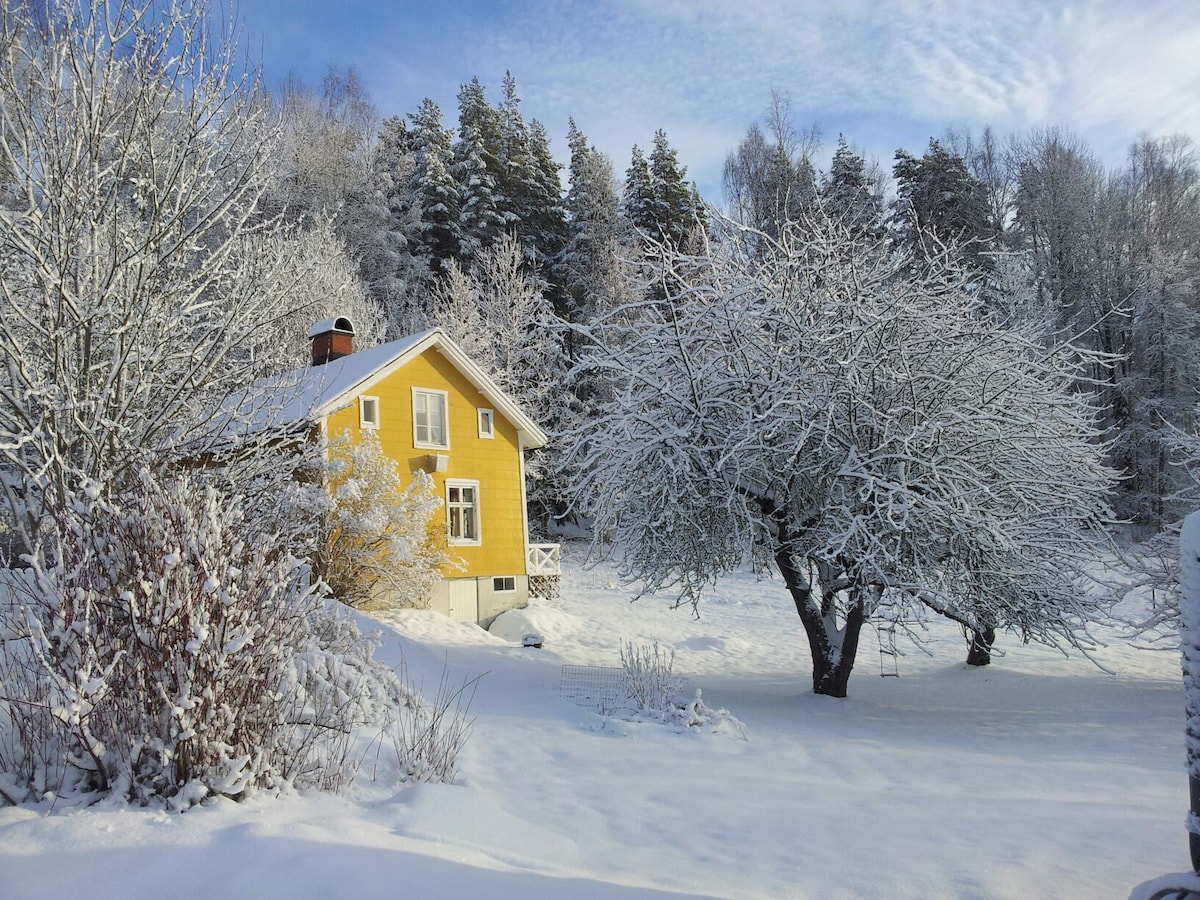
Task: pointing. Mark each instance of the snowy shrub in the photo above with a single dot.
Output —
(157, 648)
(381, 544)
(656, 693)
(649, 681)
(429, 734)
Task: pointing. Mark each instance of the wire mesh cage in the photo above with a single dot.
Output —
(598, 686)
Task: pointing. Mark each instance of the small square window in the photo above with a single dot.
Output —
(487, 423)
(505, 584)
(368, 412)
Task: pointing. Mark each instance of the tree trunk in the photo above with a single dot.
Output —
(979, 653)
(831, 665)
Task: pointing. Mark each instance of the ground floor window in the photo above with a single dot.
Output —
(504, 584)
(462, 511)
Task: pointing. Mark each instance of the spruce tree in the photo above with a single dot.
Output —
(588, 263)
(477, 169)
(438, 236)
(847, 194)
(637, 204)
(675, 206)
(938, 198)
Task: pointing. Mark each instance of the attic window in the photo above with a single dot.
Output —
(430, 428)
(368, 412)
(487, 423)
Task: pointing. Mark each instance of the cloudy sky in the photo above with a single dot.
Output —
(886, 74)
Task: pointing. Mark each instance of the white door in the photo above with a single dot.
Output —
(464, 599)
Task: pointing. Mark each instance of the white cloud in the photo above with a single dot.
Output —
(704, 69)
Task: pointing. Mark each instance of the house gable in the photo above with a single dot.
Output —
(492, 466)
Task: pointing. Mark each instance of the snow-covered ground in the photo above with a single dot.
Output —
(1040, 776)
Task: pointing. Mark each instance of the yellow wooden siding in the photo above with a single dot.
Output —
(494, 462)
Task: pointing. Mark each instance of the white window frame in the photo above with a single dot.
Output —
(429, 443)
(365, 404)
(487, 423)
(501, 580)
(460, 507)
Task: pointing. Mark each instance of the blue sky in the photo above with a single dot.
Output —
(887, 75)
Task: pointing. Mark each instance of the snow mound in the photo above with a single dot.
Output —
(517, 626)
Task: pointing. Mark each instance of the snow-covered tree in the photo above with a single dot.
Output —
(590, 263)
(500, 314)
(887, 443)
(676, 212)
(476, 169)
(1160, 218)
(326, 150)
(133, 281)
(324, 283)
(848, 193)
(533, 191)
(769, 179)
(438, 236)
(379, 543)
(637, 198)
(940, 202)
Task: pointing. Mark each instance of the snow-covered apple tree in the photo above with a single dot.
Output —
(863, 423)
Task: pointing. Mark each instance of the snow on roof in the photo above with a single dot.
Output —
(305, 396)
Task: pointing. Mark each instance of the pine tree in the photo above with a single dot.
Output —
(847, 194)
(546, 215)
(637, 203)
(675, 206)
(531, 186)
(392, 268)
(589, 262)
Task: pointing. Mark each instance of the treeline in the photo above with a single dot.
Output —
(1104, 258)
(413, 199)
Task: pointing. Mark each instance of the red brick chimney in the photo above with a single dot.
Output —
(331, 339)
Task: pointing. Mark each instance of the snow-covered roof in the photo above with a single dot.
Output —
(307, 395)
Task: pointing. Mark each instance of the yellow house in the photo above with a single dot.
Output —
(432, 408)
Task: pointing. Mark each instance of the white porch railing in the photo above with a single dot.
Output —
(543, 559)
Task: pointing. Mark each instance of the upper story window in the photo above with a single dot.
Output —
(487, 423)
(368, 412)
(430, 426)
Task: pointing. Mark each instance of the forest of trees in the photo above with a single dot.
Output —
(1103, 258)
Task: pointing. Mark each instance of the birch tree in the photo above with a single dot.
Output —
(856, 420)
(133, 281)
